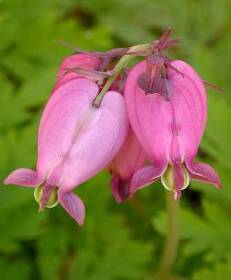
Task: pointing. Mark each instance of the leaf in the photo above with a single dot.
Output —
(106, 249)
(212, 231)
(16, 269)
(221, 270)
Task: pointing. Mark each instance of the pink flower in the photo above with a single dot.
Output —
(75, 61)
(130, 158)
(169, 124)
(76, 140)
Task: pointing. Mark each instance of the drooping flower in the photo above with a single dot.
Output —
(130, 158)
(91, 65)
(169, 124)
(69, 67)
(76, 140)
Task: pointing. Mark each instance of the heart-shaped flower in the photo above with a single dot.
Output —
(169, 125)
(76, 140)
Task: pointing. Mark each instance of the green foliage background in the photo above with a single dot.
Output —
(117, 242)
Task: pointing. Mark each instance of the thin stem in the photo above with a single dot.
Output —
(122, 63)
(172, 238)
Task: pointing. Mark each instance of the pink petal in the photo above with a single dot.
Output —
(168, 129)
(97, 145)
(178, 177)
(204, 173)
(73, 205)
(120, 188)
(149, 116)
(77, 140)
(83, 61)
(47, 190)
(23, 177)
(130, 158)
(190, 107)
(146, 176)
(63, 116)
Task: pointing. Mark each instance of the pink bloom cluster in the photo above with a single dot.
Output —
(147, 127)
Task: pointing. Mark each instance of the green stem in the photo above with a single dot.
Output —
(122, 63)
(172, 239)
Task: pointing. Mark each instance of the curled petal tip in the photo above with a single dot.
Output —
(23, 177)
(73, 205)
(204, 173)
(146, 176)
(120, 189)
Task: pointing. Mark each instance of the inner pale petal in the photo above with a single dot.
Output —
(167, 179)
(52, 200)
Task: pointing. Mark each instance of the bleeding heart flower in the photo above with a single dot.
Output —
(169, 125)
(76, 140)
(67, 68)
(130, 158)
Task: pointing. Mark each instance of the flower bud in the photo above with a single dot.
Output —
(66, 70)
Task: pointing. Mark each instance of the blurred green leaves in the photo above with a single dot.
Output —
(210, 230)
(220, 270)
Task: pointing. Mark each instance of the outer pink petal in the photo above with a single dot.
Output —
(149, 116)
(83, 61)
(64, 116)
(23, 177)
(169, 130)
(130, 157)
(94, 147)
(73, 205)
(76, 139)
(203, 172)
(189, 106)
(146, 176)
(120, 188)
(191, 79)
